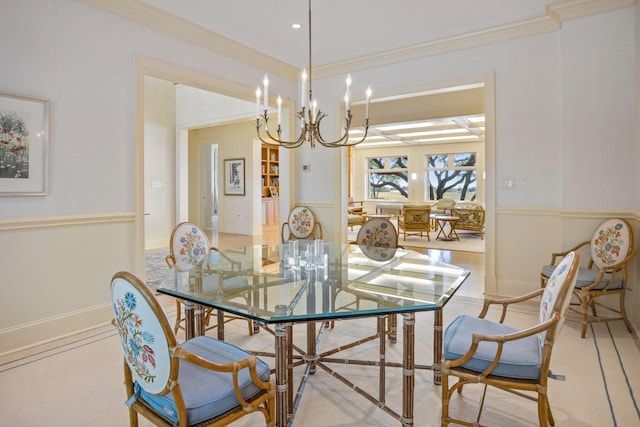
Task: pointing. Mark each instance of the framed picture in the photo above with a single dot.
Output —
(273, 191)
(24, 131)
(234, 177)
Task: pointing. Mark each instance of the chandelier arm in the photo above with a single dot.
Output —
(277, 142)
(339, 143)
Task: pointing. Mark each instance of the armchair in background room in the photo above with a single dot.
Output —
(611, 249)
(415, 220)
(441, 207)
(301, 225)
(471, 219)
(355, 207)
(203, 381)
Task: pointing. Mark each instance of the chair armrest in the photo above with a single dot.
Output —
(563, 254)
(234, 368)
(612, 270)
(282, 231)
(505, 302)
(233, 262)
(169, 260)
(500, 340)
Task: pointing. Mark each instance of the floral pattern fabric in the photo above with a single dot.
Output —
(378, 239)
(301, 222)
(551, 293)
(610, 243)
(189, 246)
(136, 342)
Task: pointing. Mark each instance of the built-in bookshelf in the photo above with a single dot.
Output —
(270, 171)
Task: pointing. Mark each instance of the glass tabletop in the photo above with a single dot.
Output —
(332, 281)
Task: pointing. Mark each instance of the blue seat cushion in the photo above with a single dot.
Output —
(520, 358)
(208, 394)
(586, 277)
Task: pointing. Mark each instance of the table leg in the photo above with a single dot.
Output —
(383, 347)
(408, 369)
(220, 320)
(437, 347)
(282, 398)
(189, 320)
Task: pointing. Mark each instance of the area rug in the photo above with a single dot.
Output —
(469, 242)
(156, 268)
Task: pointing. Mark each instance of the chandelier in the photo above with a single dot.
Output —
(310, 115)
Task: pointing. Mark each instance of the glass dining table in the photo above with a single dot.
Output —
(278, 286)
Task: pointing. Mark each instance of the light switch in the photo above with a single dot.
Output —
(156, 184)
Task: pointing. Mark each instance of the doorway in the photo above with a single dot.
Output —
(210, 165)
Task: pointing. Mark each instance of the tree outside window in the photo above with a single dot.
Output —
(452, 176)
(388, 177)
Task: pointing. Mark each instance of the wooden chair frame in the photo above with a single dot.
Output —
(263, 402)
(208, 311)
(315, 232)
(588, 296)
(408, 224)
(534, 390)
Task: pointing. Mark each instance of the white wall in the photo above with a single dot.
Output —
(159, 162)
(557, 96)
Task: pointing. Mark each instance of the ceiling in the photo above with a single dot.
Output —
(344, 29)
(347, 32)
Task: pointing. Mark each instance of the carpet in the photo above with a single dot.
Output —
(469, 242)
(601, 386)
(156, 268)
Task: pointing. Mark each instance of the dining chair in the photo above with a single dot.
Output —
(187, 246)
(301, 225)
(482, 351)
(204, 381)
(377, 237)
(611, 249)
(378, 240)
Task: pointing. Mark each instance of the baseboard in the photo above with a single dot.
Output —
(47, 330)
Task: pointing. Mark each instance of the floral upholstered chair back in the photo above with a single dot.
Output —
(611, 243)
(189, 244)
(557, 293)
(145, 334)
(301, 224)
(378, 239)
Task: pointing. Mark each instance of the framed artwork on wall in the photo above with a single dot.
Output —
(24, 124)
(234, 177)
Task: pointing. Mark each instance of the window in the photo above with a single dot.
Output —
(452, 175)
(388, 177)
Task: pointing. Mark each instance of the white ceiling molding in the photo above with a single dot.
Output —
(499, 33)
(565, 10)
(167, 23)
(556, 12)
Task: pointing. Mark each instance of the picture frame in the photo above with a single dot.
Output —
(234, 177)
(24, 132)
(273, 191)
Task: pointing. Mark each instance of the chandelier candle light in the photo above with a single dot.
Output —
(309, 114)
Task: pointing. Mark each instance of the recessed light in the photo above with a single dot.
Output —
(296, 26)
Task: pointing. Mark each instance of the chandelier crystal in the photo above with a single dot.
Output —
(310, 115)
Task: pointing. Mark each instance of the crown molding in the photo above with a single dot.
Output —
(565, 10)
(512, 30)
(167, 23)
(555, 13)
